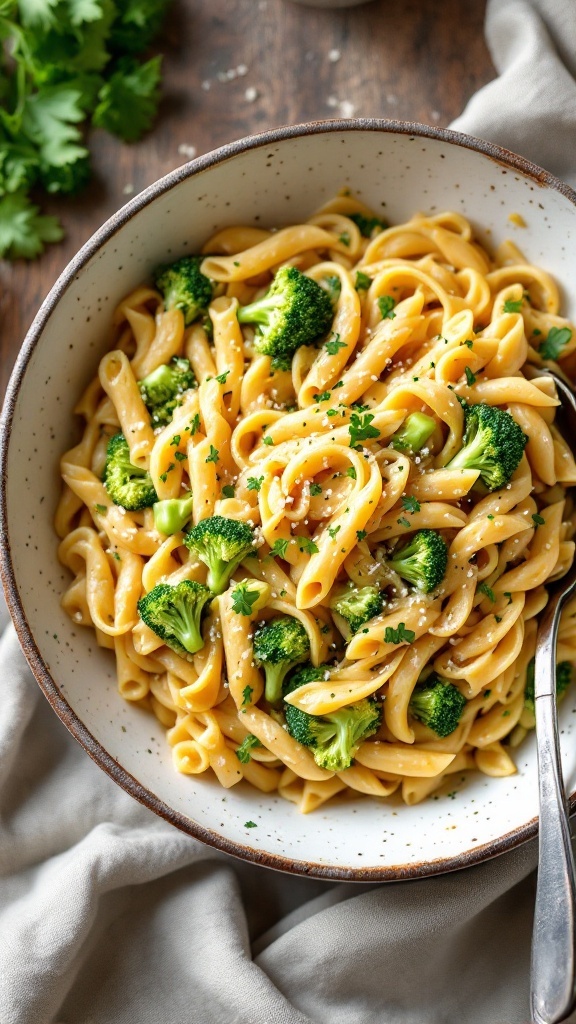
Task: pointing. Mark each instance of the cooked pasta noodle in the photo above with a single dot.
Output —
(307, 453)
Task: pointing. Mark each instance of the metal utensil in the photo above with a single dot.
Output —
(553, 972)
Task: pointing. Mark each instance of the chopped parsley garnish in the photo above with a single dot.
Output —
(363, 282)
(194, 424)
(400, 635)
(175, 440)
(180, 456)
(360, 430)
(279, 548)
(228, 491)
(333, 530)
(538, 520)
(254, 483)
(410, 504)
(250, 824)
(307, 545)
(101, 509)
(333, 345)
(470, 377)
(246, 695)
(323, 396)
(508, 595)
(344, 238)
(267, 440)
(469, 343)
(386, 306)
(513, 305)
(243, 598)
(333, 287)
(221, 378)
(243, 755)
(351, 472)
(360, 534)
(315, 489)
(557, 338)
(403, 522)
(487, 591)
(214, 455)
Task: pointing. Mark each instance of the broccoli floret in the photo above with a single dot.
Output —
(162, 389)
(422, 561)
(129, 486)
(563, 680)
(367, 225)
(278, 645)
(493, 444)
(174, 612)
(295, 311)
(172, 514)
(185, 287)
(221, 543)
(358, 605)
(413, 433)
(438, 704)
(304, 674)
(334, 738)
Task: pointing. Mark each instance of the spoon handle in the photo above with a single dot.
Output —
(553, 941)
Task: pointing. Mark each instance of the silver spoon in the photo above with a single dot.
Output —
(553, 971)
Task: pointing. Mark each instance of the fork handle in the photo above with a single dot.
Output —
(553, 942)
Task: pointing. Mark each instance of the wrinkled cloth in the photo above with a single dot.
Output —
(108, 915)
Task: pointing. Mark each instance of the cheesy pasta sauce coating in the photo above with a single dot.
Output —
(425, 320)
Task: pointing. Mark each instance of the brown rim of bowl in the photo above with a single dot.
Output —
(39, 668)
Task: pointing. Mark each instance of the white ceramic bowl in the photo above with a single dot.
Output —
(271, 179)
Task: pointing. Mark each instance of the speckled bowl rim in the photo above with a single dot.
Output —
(97, 752)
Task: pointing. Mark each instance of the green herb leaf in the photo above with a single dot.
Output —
(410, 504)
(243, 755)
(470, 377)
(558, 338)
(333, 345)
(129, 99)
(512, 306)
(254, 483)
(243, 598)
(362, 282)
(487, 591)
(538, 520)
(400, 635)
(221, 378)
(246, 695)
(360, 430)
(361, 534)
(315, 489)
(351, 472)
(23, 230)
(307, 545)
(214, 455)
(386, 306)
(279, 548)
(228, 491)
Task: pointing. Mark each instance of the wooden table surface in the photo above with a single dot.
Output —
(418, 60)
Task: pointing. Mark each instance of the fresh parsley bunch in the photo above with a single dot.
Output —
(63, 65)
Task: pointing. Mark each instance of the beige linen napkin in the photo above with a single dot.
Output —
(108, 915)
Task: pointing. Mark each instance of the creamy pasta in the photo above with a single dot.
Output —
(346, 462)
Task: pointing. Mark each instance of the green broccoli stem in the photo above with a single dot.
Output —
(275, 675)
(172, 514)
(414, 432)
(185, 621)
(472, 455)
(258, 312)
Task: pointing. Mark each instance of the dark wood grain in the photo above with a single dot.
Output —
(417, 60)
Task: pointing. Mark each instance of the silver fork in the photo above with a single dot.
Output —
(553, 970)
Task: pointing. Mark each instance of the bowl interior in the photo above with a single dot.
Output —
(278, 179)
